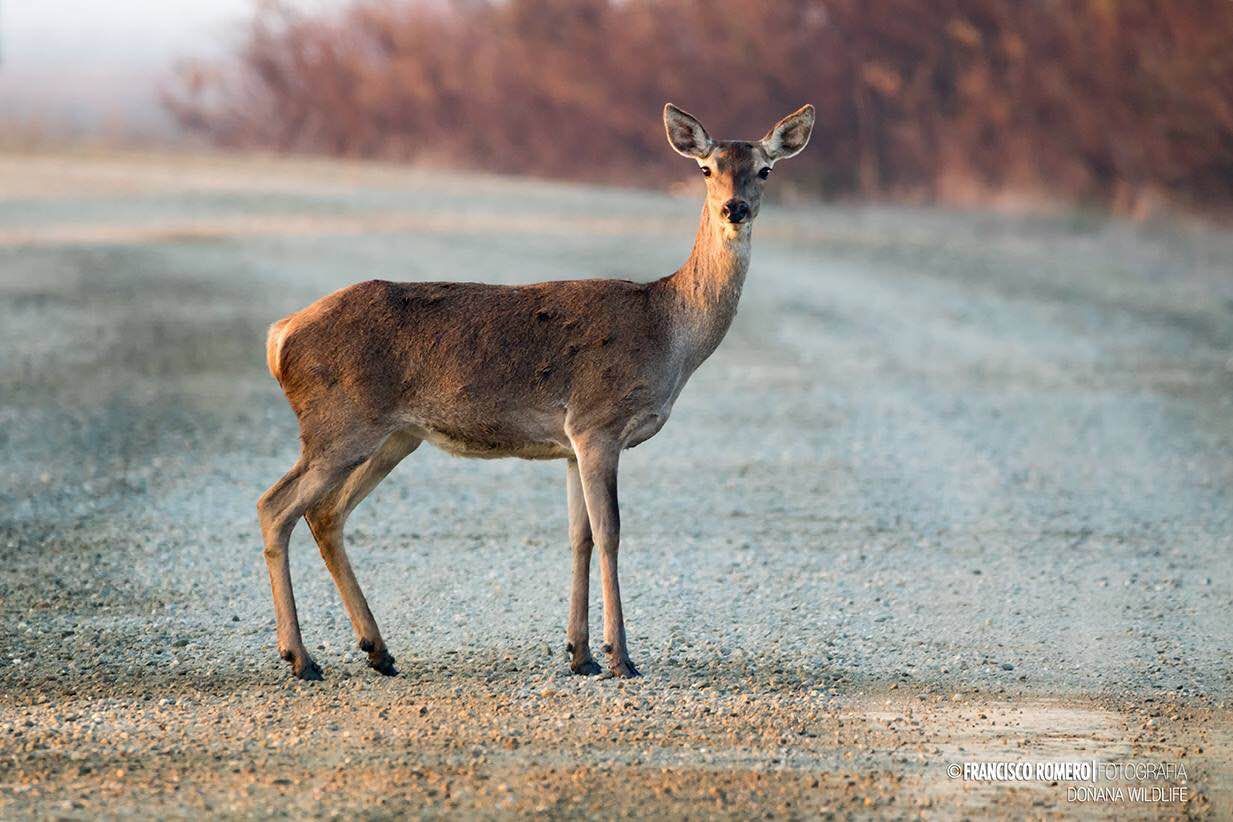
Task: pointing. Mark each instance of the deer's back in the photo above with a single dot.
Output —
(482, 370)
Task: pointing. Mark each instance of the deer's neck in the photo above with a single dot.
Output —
(707, 287)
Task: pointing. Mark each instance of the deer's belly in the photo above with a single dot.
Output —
(478, 449)
(531, 439)
(533, 436)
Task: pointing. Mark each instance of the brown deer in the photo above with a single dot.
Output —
(575, 370)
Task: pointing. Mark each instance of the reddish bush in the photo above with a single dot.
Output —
(1096, 100)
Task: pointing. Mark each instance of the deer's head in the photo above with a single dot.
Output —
(736, 171)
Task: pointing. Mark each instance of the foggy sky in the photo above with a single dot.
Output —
(89, 65)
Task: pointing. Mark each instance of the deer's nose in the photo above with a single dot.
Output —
(735, 211)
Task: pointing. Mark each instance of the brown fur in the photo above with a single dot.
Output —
(574, 370)
(451, 360)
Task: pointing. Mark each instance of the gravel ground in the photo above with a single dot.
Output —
(956, 488)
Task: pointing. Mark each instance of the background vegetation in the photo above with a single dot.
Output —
(1117, 102)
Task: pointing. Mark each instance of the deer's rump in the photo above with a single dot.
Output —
(481, 370)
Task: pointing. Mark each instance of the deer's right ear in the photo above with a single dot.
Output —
(686, 135)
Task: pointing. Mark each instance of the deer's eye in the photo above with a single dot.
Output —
(706, 171)
(765, 172)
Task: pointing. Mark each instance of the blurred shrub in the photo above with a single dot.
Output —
(1108, 101)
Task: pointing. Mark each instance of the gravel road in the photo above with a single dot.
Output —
(956, 488)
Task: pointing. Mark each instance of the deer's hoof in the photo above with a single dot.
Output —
(623, 669)
(382, 663)
(306, 669)
(587, 667)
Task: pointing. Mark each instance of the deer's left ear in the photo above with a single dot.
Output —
(790, 135)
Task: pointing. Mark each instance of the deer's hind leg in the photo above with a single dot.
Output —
(326, 520)
(278, 510)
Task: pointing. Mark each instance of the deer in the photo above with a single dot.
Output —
(576, 370)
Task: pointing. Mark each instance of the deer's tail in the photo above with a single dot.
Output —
(274, 348)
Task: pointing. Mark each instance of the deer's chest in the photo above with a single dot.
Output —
(645, 425)
(646, 421)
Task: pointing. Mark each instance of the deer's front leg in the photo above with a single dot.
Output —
(597, 467)
(578, 634)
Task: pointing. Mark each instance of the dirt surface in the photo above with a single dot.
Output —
(955, 490)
